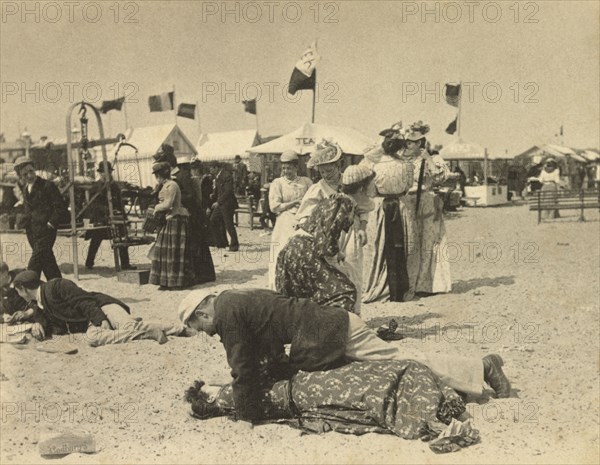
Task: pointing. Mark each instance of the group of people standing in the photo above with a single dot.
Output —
(372, 232)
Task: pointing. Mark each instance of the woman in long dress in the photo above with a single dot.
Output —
(390, 227)
(550, 179)
(428, 267)
(171, 262)
(403, 398)
(357, 183)
(285, 196)
(307, 265)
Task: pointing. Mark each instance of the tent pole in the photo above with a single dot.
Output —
(458, 123)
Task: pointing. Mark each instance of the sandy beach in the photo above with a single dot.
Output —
(528, 292)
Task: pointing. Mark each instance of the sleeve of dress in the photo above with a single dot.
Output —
(275, 197)
(309, 201)
(168, 192)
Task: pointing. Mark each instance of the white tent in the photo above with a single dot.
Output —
(224, 146)
(304, 140)
(538, 152)
(136, 168)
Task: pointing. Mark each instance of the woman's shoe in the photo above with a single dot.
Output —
(495, 377)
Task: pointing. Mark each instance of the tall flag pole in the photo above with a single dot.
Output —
(458, 122)
(304, 75)
(174, 105)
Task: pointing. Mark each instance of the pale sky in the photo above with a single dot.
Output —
(377, 61)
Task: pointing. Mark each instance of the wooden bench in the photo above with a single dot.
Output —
(247, 206)
(582, 199)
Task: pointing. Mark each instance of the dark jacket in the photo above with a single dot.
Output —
(98, 210)
(10, 300)
(67, 307)
(42, 206)
(183, 178)
(224, 194)
(254, 324)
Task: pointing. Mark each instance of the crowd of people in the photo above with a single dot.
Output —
(370, 232)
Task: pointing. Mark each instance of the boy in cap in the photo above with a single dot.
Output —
(255, 324)
(44, 209)
(13, 308)
(66, 308)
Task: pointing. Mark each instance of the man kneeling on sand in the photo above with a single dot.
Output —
(255, 324)
(63, 307)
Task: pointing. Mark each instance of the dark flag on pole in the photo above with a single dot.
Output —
(250, 106)
(304, 75)
(451, 129)
(453, 94)
(162, 102)
(561, 130)
(186, 110)
(108, 105)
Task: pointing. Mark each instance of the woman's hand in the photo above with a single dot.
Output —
(362, 237)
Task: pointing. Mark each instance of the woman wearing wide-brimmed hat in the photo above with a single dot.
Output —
(285, 195)
(171, 261)
(428, 268)
(389, 230)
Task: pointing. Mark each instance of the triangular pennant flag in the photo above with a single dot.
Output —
(162, 102)
(451, 129)
(186, 110)
(453, 94)
(305, 73)
(250, 106)
(108, 105)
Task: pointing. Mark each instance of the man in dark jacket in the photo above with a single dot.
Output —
(255, 324)
(66, 308)
(44, 209)
(225, 203)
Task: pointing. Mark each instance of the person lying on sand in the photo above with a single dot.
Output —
(13, 308)
(66, 308)
(403, 398)
(257, 323)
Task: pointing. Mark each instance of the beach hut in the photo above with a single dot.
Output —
(478, 165)
(135, 166)
(303, 141)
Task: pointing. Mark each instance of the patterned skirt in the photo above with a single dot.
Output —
(171, 259)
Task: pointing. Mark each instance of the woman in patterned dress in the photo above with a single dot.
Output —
(171, 265)
(285, 196)
(403, 398)
(307, 265)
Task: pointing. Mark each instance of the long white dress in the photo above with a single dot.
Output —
(428, 266)
(281, 191)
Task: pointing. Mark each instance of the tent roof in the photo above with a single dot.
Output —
(591, 155)
(225, 145)
(304, 139)
(148, 140)
(462, 150)
(558, 151)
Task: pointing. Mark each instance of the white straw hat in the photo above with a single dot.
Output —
(190, 302)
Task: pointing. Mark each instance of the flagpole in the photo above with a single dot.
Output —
(256, 116)
(174, 105)
(458, 123)
(125, 113)
(198, 116)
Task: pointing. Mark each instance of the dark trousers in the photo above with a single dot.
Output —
(227, 216)
(394, 251)
(42, 258)
(96, 238)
